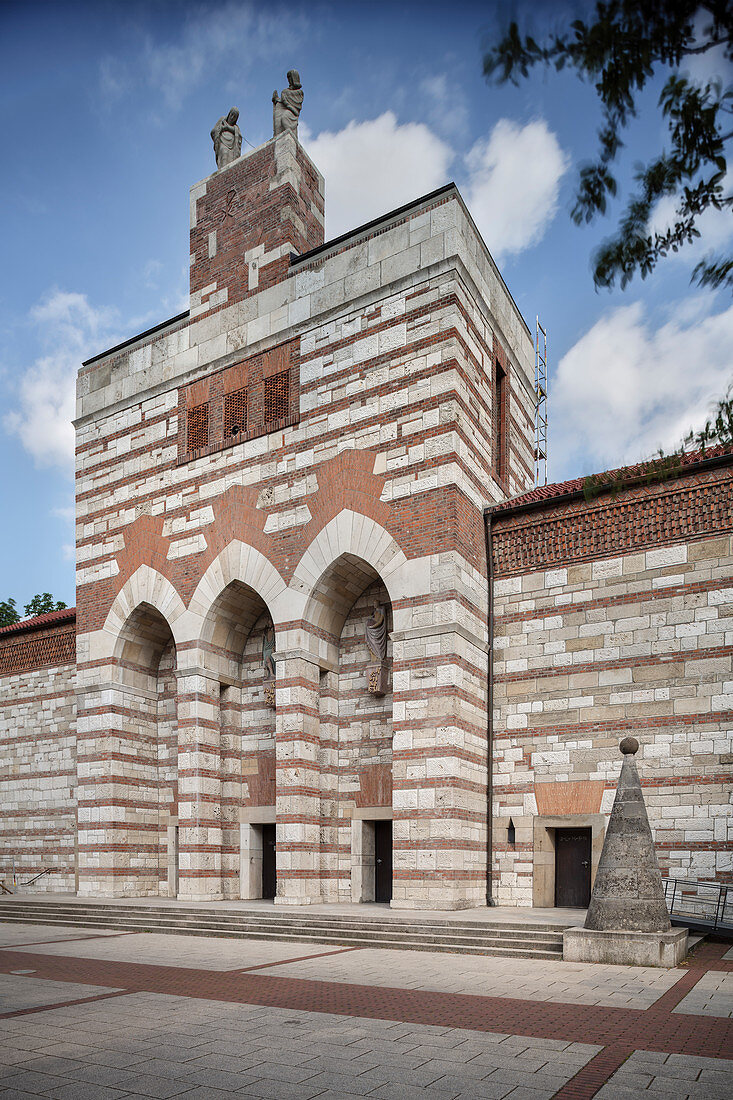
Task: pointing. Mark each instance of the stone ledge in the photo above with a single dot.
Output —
(623, 948)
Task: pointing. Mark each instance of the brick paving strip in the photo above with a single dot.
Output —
(619, 1031)
(287, 962)
(654, 1031)
(63, 1004)
(67, 939)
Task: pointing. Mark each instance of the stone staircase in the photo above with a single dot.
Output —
(520, 940)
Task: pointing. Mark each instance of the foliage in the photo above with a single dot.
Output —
(620, 50)
(8, 614)
(717, 429)
(41, 604)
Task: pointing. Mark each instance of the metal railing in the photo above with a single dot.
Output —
(6, 889)
(707, 904)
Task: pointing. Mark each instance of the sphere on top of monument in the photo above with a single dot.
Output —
(286, 106)
(227, 139)
(629, 746)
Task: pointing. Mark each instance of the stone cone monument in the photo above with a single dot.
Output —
(628, 891)
(627, 919)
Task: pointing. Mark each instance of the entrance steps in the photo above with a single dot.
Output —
(469, 937)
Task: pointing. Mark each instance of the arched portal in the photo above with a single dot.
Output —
(146, 771)
(355, 751)
(238, 642)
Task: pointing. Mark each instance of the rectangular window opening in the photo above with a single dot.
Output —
(197, 428)
(277, 397)
(235, 414)
(499, 421)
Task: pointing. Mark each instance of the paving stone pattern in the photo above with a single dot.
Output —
(712, 996)
(571, 983)
(155, 1045)
(170, 1027)
(681, 1076)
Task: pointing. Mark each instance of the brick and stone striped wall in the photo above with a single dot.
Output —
(615, 616)
(38, 753)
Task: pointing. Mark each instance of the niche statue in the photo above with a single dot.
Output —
(268, 664)
(227, 139)
(286, 106)
(376, 639)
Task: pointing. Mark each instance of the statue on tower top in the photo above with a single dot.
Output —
(286, 106)
(227, 139)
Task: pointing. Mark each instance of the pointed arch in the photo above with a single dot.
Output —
(347, 555)
(238, 563)
(146, 587)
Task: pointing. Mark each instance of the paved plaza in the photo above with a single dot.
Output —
(106, 1015)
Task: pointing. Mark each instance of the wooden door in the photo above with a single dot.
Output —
(572, 868)
(383, 861)
(269, 869)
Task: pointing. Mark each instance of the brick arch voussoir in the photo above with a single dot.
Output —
(236, 518)
(145, 544)
(348, 482)
(146, 587)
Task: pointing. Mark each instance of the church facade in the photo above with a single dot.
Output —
(330, 643)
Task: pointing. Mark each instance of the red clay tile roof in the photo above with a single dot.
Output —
(623, 473)
(50, 618)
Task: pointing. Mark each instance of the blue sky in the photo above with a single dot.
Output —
(106, 110)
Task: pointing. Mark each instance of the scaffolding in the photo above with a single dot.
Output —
(540, 416)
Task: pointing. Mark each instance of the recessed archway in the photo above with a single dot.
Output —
(145, 662)
(355, 728)
(237, 645)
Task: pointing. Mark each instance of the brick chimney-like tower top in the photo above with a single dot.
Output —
(248, 218)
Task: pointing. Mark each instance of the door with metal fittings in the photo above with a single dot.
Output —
(572, 868)
(383, 861)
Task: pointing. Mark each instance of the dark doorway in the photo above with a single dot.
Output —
(269, 870)
(572, 868)
(383, 861)
(176, 861)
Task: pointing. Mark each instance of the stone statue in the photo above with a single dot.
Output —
(376, 633)
(286, 107)
(268, 650)
(227, 139)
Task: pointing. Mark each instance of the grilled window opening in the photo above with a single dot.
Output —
(235, 413)
(277, 397)
(197, 428)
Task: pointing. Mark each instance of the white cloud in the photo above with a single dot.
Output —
(69, 329)
(513, 184)
(371, 167)
(627, 387)
(374, 166)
